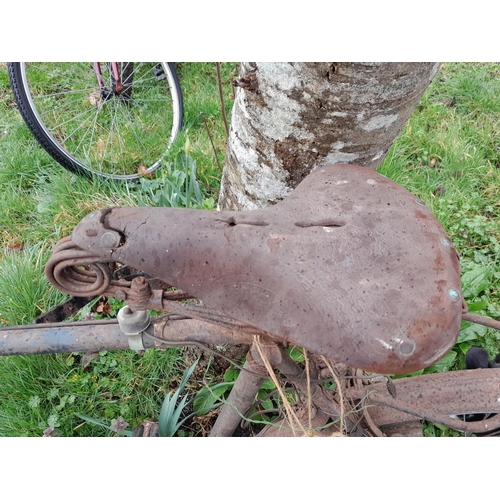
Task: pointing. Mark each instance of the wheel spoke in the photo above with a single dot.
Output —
(95, 130)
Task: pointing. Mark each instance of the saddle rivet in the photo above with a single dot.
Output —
(444, 241)
(454, 294)
(110, 240)
(407, 347)
(420, 202)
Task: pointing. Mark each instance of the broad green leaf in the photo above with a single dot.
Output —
(475, 281)
(477, 306)
(266, 403)
(296, 353)
(441, 427)
(444, 364)
(231, 375)
(268, 385)
(412, 374)
(470, 331)
(208, 396)
(464, 347)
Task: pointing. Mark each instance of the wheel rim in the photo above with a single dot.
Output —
(117, 138)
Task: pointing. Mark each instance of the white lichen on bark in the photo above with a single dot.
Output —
(300, 116)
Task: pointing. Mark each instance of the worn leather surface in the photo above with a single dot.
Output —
(351, 266)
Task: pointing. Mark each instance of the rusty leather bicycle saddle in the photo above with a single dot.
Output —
(350, 266)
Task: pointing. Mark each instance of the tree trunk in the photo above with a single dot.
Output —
(290, 118)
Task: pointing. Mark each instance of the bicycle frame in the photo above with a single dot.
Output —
(119, 87)
(215, 253)
(426, 397)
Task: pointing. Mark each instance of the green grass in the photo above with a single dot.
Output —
(41, 203)
(23, 286)
(43, 391)
(110, 135)
(448, 155)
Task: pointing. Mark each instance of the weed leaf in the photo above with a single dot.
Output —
(171, 410)
(470, 331)
(444, 364)
(475, 281)
(208, 396)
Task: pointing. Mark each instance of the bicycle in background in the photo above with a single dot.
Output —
(115, 120)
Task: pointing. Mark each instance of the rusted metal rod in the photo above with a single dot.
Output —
(52, 338)
(481, 320)
(240, 399)
(221, 96)
(93, 336)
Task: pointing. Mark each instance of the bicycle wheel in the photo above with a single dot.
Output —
(92, 130)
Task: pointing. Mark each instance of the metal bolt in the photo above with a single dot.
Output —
(110, 240)
(141, 285)
(453, 294)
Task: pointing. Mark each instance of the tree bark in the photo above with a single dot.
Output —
(290, 118)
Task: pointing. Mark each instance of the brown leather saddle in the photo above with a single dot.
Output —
(350, 266)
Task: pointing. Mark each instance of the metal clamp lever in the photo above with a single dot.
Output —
(132, 324)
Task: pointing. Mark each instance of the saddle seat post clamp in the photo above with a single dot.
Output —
(132, 324)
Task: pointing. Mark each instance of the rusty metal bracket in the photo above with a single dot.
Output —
(439, 397)
(132, 324)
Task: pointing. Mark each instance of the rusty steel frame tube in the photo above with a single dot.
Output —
(424, 414)
(54, 338)
(94, 336)
(481, 320)
(240, 399)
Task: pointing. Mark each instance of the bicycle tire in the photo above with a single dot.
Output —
(118, 137)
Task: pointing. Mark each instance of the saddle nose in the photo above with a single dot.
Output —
(350, 266)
